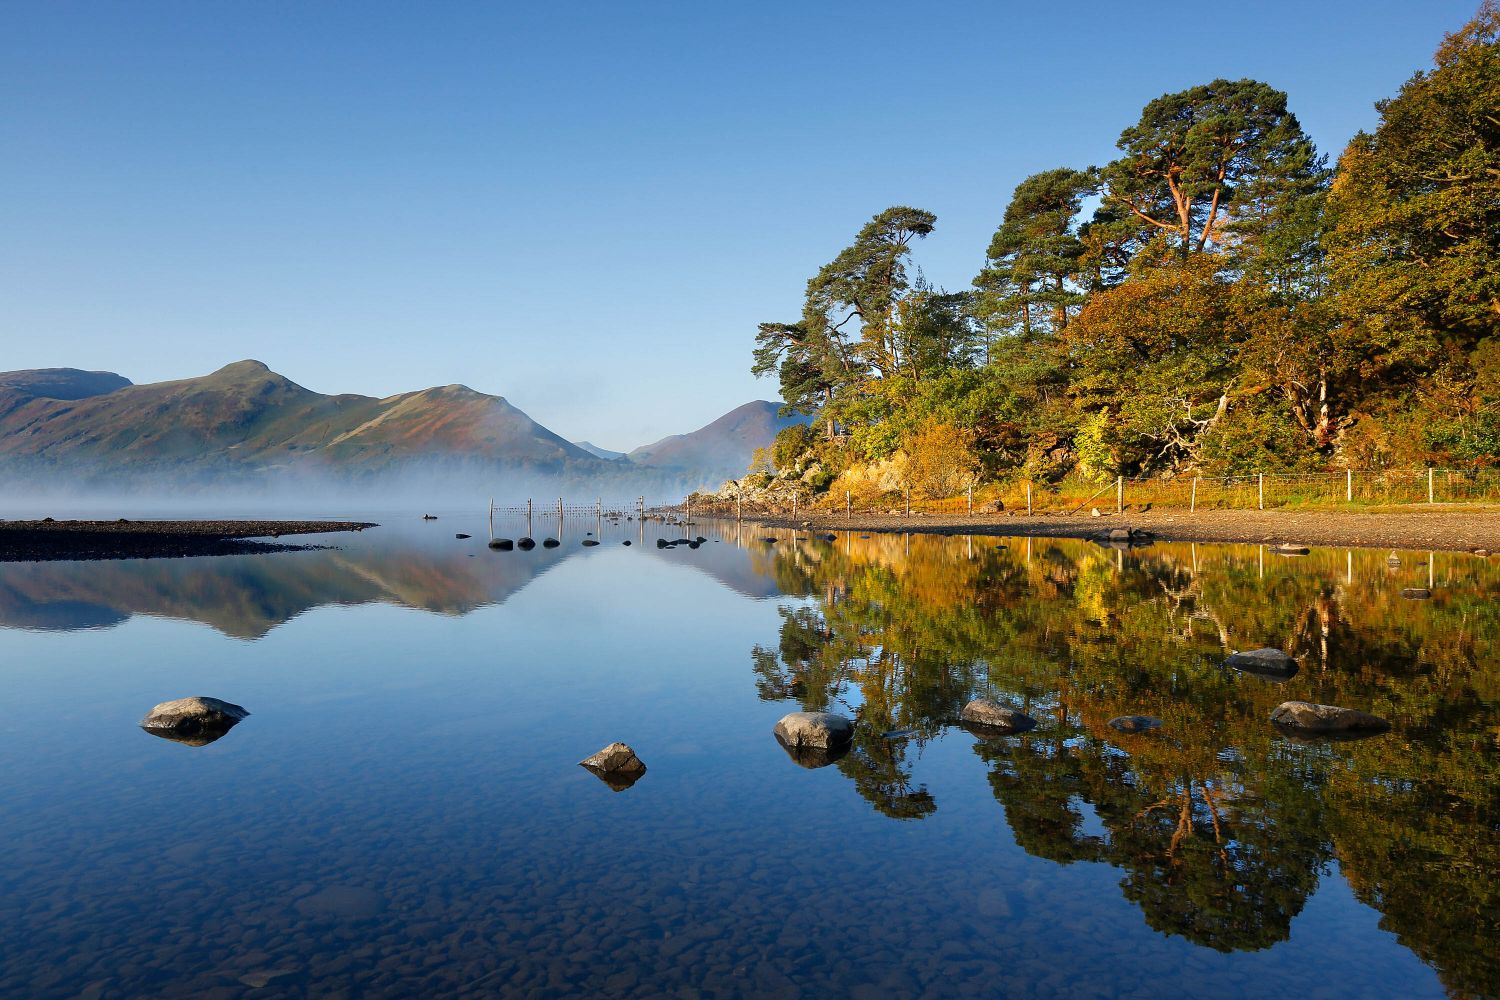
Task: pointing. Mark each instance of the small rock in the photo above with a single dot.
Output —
(461, 535)
(1095, 513)
(1305, 717)
(503, 544)
(1481, 552)
(991, 714)
(819, 730)
(429, 517)
(769, 541)
(1135, 723)
(1268, 664)
(257, 980)
(525, 543)
(626, 542)
(1119, 534)
(661, 543)
(193, 721)
(587, 542)
(550, 543)
(1417, 594)
(616, 765)
(1289, 549)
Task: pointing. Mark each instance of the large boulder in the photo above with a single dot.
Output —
(819, 730)
(616, 765)
(990, 714)
(1303, 717)
(196, 721)
(1267, 664)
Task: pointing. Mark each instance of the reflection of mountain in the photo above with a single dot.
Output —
(1221, 829)
(247, 596)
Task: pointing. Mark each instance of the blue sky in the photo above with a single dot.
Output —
(585, 208)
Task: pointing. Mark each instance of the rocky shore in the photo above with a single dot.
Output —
(1448, 529)
(48, 539)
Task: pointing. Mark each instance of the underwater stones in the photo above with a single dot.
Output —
(1304, 717)
(1267, 664)
(819, 730)
(550, 543)
(1417, 594)
(989, 714)
(616, 765)
(345, 902)
(502, 544)
(589, 542)
(1135, 723)
(195, 721)
(625, 542)
(461, 535)
(525, 543)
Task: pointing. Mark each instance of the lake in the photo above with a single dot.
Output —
(403, 813)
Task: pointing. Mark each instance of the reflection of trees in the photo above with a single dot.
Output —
(1221, 827)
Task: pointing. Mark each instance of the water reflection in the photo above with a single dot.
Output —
(1220, 826)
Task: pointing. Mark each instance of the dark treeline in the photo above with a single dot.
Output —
(1216, 298)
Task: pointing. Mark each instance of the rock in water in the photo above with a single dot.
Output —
(1267, 664)
(1135, 723)
(616, 765)
(1305, 717)
(503, 544)
(588, 542)
(1119, 534)
(1290, 549)
(818, 730)
(661, 543)
(625, 542)
(550, 543)
(990, 714)
(460, 535)
(194, 721)
(1417, 594)
(525, 543)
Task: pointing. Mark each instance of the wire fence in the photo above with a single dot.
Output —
(1257, 491)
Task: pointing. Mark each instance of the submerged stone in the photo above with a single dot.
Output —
(1417, 594)
(1267, 664)
(1135, 723)
(1305, 717)
(587, 542)
(461, 535)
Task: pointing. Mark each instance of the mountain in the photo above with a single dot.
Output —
(62, 383)
(246, 417)
(598, 452)
(722, 449)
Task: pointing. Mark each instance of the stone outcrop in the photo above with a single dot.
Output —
(1267, 664)
(196, 721)
(991, 715)
(616, 765)
(1304, 717)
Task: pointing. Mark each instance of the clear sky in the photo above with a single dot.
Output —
(585, 208)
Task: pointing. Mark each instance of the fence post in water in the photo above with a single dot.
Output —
(1028, 498)
(739, 514)
(1260, 489)
(848, 505)
(1119, 494)
(1193, 503)
(1348, 485)
(971, 503)
(794, 505)
(1429, 489)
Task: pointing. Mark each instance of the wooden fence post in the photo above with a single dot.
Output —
(1028, 498)
(1348, 485)
(848, 505)
(906, 494)
(1429, 487)
(1119, 494)
(794, 505)
(971, 499)
(1260, 489)
(1193, 503)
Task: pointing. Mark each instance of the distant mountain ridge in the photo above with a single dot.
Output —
(58, 423)
(721, 449)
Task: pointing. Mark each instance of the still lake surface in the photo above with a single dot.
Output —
(403, 814)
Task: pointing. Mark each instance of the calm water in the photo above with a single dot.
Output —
(403, 815)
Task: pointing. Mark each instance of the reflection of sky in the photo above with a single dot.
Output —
(432, 757)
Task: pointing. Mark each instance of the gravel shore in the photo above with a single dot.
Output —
(39, 541)
(1449, 529)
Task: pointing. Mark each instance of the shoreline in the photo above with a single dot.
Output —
(47, 540)
(1450, 530)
